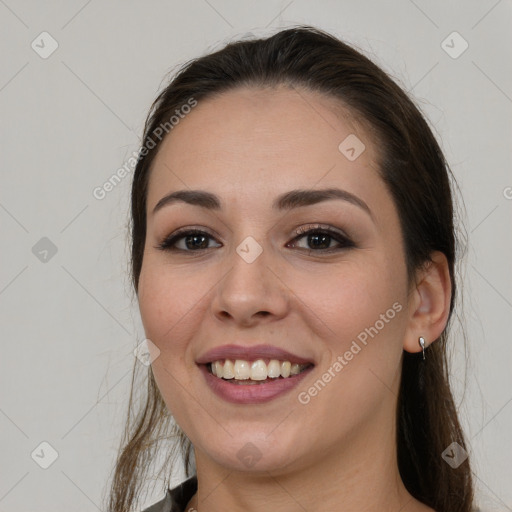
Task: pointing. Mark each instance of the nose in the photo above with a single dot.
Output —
(251, 291)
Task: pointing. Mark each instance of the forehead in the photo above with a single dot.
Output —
(251, 141)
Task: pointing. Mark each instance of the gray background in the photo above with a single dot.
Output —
(69, 121)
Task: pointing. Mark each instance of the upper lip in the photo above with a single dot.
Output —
(250, 353)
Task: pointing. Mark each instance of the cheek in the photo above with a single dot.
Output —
(360, 311)
(345, 299)
(168, 305)
(169, 308)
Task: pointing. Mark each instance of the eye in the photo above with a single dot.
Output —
(319, 238)
(191, 240)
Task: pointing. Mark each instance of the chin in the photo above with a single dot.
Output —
(250, 459)
(252, 454)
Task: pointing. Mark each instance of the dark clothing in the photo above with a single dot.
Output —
(176, 499)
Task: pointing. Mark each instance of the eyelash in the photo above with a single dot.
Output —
(345, 243)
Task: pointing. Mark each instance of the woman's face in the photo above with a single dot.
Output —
(250, 288)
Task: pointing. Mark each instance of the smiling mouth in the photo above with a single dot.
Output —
(243, 372)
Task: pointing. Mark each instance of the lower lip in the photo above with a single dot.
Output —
(251, 393)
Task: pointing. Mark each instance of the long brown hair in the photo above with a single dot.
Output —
(414, 169)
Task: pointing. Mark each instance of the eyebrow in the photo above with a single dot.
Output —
(287, 201)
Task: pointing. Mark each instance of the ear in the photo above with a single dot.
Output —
(429, 303)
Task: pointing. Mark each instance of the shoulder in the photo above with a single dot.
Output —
(176, 499)
(163, 505)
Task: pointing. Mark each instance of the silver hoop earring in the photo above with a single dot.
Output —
(421, 341)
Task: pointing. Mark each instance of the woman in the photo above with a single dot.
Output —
(293, 255)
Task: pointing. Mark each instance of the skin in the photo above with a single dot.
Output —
(247, 146)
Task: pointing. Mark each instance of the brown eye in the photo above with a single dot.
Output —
(187, 241)
(319, 239)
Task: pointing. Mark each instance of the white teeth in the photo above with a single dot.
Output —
(274, 369)
(258, 370)
(255, 371)
(229, 370)
(217, 368)
(242, 370)
(285, 368)
(295, 369)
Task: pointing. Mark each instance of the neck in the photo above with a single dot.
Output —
(363, 476)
